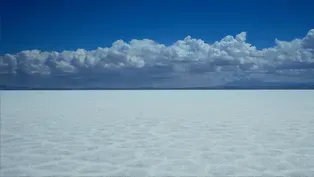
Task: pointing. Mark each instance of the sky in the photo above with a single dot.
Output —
(155, 43)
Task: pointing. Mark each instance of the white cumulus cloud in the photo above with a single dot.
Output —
(191, 62)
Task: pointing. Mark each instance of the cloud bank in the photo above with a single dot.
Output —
(145, 63)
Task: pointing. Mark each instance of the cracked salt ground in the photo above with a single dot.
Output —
(157, 133)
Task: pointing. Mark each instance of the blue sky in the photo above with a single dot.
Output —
(28, 26)
(68, 25)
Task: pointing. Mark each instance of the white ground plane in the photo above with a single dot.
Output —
(157, 133)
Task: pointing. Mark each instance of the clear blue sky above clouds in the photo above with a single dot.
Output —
(70, 25)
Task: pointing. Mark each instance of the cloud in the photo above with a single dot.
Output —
(186, 63)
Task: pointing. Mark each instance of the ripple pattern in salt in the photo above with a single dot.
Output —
(44, 139)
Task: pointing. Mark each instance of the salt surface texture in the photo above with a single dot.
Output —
(157, 133)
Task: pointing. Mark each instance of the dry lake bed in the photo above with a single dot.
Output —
(157, 133)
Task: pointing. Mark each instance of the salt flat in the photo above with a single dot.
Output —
(157, 133)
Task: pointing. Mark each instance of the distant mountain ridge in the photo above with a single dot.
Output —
(285, 86)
